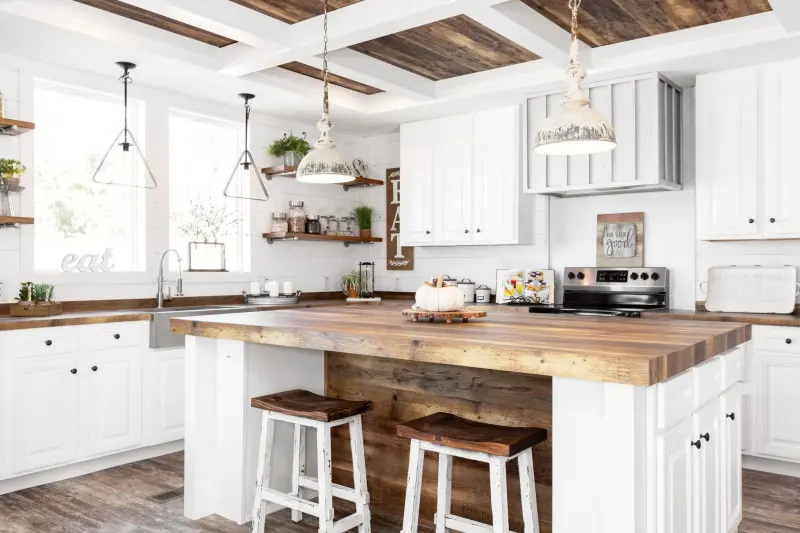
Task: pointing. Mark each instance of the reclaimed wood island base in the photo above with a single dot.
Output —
(593, 383)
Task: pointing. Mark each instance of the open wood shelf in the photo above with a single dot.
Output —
(289, 172)
(12, 127)
(8, 222)
(286, 236)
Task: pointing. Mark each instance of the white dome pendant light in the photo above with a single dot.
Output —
(325, 164)
(577, 129)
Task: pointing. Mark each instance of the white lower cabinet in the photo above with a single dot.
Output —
(674, 479)
(731, 418)
(777, 401)
(163, 399)
(707, 468)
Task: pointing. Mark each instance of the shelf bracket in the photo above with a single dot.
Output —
(347, 244)
(15, 225)
(270, 241)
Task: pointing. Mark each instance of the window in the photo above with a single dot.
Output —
(203, 152)
(74, 215)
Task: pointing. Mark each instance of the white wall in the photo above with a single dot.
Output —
(307, 264)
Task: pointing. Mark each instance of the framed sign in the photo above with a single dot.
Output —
(620, 240)
(397, 257)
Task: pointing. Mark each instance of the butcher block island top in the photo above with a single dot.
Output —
(614, 350)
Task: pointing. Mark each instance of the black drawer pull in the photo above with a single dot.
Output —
(74, 370)
(48, 342)
(772, 220)
(697, 444)
(94, 369)
(751, 220)
(732, 416)
(427, 232)
(706, 436)
(116, 335)
(788, 341)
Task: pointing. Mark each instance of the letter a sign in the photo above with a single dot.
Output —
(397, 257)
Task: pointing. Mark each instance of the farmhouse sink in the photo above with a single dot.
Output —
(162, 337)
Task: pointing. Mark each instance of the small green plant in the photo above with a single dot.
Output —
(364, 216)
(36, 292)
(11, 167)
(352, 282)
(289, 143)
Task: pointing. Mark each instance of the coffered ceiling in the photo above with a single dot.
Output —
(291, 11)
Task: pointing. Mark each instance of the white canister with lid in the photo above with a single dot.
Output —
(467, 287)
(483, 294)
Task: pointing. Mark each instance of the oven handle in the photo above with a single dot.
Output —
(600, 313)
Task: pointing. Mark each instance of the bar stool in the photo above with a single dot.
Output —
(305, 409)
(449, 436)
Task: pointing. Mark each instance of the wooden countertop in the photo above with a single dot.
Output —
(759, 319)
(631, 351)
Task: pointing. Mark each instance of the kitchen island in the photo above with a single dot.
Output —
(621, 399)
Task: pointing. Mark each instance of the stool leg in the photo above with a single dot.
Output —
(445, 488)
(527, 485)
(264, 467)
(298, 465)
(497, 476)
(360, 474)
(324, 478)
(416, 460)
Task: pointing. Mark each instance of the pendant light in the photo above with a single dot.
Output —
(117, 165)
(577, 129)
(246, 159)
(325, 164)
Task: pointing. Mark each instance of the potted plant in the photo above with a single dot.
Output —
(35, 299)
(204, 225)
(291, 148)
(351, 284)
(364, 216)
(11, 169)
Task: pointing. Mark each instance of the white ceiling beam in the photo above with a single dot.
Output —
(312, 87)
(788, 12)
(520, 23)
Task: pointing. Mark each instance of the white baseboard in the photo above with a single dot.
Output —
(87, 467)
(771, 466)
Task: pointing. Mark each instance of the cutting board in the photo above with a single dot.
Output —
(733, 289)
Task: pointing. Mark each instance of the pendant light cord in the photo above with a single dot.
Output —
(126, 80)
(246, 121)
(325, 61)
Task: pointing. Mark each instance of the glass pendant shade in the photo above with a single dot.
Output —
(575, 130)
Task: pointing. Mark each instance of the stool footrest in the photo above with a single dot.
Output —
(348, 522)
(292, 502)
(465, 525)
(338, 491)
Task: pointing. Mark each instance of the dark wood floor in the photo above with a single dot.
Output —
(119, 501)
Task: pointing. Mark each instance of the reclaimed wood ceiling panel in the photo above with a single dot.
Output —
(605, 22)
(159, 21)
(446, 49)
(341, 81)
(292, 11)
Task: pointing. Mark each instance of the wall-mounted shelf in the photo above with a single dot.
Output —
(15, 127)
(286, 236)
(14, 222)
(289, 172)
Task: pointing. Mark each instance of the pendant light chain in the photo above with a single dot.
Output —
(575, 72)
(325, 62)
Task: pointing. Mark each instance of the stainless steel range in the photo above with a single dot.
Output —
(611, 291)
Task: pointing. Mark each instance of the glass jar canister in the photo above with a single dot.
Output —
(297, 217)
(313, 225)
(280, 222)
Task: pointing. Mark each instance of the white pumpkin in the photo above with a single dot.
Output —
(440, 298)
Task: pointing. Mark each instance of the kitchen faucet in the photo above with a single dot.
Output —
(161, 280)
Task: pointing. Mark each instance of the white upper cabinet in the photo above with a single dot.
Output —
(747, 153)
(646, 112)
(461, 180)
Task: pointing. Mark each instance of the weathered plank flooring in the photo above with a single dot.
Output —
(117, 501)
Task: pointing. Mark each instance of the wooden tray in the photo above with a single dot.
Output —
(447, 316)
(34, 309)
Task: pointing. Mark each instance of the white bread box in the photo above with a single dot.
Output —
(751, 289)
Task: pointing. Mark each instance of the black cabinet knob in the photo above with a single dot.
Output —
(48, 342)
(697, 444)
(94, 369)
(116, 335)
(427, 232)
(466, 231)
(706, 436)
(479, 230)
(751, 220)
(772, 220)
(732, 416)
(788, 341)
(74, 370)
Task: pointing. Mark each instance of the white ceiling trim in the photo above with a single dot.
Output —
(788, 12)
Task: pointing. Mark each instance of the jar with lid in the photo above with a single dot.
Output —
(313, 225)
(280, 222)
(297, 217)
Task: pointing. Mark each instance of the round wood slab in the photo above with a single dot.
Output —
(447, 316)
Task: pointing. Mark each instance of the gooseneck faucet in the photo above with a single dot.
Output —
(161, 280)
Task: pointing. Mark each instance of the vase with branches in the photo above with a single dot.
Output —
(205, 225)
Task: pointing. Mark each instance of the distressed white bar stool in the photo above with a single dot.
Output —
(305, 409)
(452, 436)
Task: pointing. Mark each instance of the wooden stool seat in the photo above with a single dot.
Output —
(305, 404)
(456, 432)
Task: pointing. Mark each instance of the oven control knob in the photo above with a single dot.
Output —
(655, 276)
(581, 275)
(645, 276)
(634, 276)
(571, 275)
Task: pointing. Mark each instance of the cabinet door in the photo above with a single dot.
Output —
(495, 176)
(452, 182)
(778, 395)
(112, 400)
(416, 166)
(781, 108)
(707, 468)
(44, 393)
(163, 389)
(731, 415)
(674, 487)
(727, 154)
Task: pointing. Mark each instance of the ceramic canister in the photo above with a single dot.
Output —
(467, 287)
(483, 294)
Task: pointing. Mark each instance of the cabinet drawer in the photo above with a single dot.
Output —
(777, 339)
(707, 382)
(733, 367)
(39, 341)
(675, 401)
(114, 335)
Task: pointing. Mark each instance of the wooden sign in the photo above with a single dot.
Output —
(397, 257)
(620, 240)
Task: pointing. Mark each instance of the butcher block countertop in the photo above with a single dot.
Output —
(630, 351)
(759, 319)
